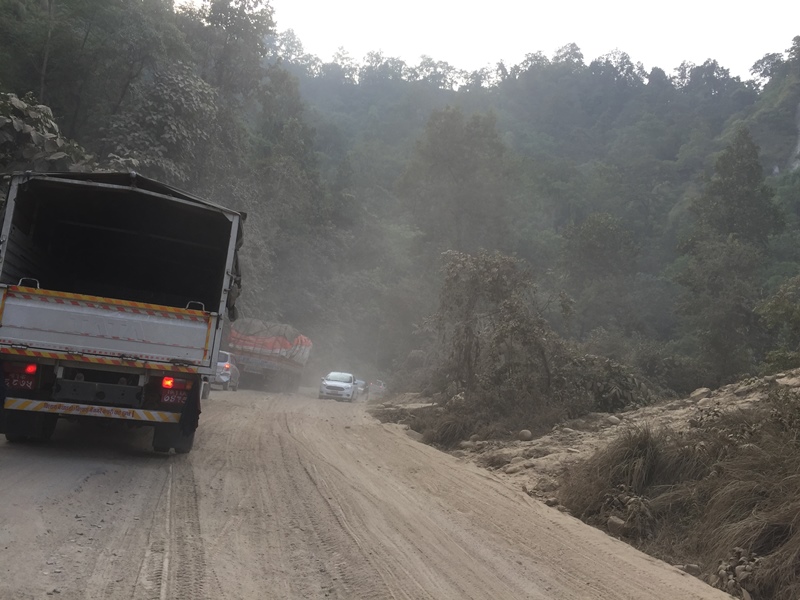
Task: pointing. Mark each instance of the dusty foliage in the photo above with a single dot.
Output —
(499, 365)
(724, 494)
(30, 139)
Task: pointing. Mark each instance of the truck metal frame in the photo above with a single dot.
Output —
(67, 350)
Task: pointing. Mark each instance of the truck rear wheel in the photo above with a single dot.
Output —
(184, 446)
(169, 435)
(23, 426)
(45, 427)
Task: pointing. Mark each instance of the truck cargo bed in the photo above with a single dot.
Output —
(43, 320)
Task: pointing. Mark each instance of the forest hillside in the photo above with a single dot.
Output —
(513, 234)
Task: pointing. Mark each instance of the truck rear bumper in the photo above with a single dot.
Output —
(88, 410)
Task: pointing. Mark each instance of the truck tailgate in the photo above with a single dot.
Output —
(49, 321)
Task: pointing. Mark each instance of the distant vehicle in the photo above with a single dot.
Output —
(227, 372)
(339, 386)
(376, 389)
(271, 356)
(362, 386)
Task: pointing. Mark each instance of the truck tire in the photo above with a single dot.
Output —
(21, 427)
(184, 444)
(169, 435)
(225, 386)
(45, 427)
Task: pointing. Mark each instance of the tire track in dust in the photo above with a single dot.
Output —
(348, 572)
(150, 582)
(174, 566)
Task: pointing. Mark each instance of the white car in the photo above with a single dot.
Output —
(227, 372)
(339, 386)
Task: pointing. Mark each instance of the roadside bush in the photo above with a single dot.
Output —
(780, 360)
(725, 494)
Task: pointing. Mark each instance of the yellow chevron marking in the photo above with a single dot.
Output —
(98, 360)
(101, 300)
(87, 410)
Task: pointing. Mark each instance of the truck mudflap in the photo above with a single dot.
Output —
(88, 410)
(190, 415)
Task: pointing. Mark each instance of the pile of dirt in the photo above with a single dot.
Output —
(633, 445)
(538, 465)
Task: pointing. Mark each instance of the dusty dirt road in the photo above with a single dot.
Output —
(293, 497)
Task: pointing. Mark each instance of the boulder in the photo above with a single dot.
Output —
(474, 437)
(700, 393)
(613, 420)
(789, 381)
(692, 569)
(746, 389)
(525, 435)
(616, 526)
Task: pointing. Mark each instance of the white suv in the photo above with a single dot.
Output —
(339, 386)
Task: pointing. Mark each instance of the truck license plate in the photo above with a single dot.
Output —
(175, 397)
(19, 381)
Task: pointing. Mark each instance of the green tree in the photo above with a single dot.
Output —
(721, 281)
(781, 314)
(488, 321)
(168, 126)
(736, 200)
(457, 182)
(30, 139)
(81, 57)
(228, 39)
(598, 247)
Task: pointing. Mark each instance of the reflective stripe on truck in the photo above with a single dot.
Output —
(99, 360)
(113, 304)
(104, 330)
(88, 410)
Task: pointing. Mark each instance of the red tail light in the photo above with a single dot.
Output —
(15, 367)
(227, 367)
(173, 383)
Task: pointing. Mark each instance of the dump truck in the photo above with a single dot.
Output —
(113, 290)
(270, 356)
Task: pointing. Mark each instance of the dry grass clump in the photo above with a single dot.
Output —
(640, 458)
(726, 495)
(495, 461)
(448, 432)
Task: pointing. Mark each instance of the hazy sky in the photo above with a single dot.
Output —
(471, 35)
